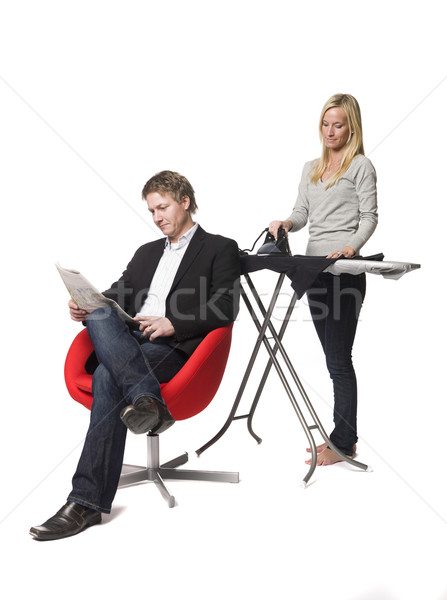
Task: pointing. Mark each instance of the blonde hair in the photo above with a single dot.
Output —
(354, 145)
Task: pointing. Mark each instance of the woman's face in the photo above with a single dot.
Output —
(335, 128)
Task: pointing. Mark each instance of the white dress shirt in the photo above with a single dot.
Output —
(155, 303)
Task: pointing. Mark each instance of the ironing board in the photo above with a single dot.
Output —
(302, 272)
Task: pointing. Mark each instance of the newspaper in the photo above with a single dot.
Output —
(85, 295)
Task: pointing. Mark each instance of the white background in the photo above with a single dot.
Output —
(95, 98)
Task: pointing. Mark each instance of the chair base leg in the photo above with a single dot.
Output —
(156, 473)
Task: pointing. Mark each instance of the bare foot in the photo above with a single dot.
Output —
(326, 456)
(320, 448)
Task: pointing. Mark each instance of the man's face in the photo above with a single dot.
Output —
(170, 216)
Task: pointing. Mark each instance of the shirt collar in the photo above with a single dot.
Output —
(183, 240)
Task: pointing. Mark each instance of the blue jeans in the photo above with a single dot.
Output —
(335, 303)
(130, 367)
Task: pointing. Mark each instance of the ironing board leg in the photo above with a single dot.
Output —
(262, 329)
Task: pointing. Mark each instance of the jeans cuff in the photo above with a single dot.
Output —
(82, 502)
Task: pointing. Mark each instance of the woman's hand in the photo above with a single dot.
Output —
(275, 225)
(155, 327)
(347, 252)
(76, 313)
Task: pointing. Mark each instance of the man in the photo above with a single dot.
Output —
(177, 289)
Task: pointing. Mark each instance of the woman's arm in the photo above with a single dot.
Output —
(300, 213)
(366, 188)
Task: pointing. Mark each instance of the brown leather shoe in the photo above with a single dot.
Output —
(147, 414)
(71, 519)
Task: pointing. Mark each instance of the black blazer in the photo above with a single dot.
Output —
(204, 294)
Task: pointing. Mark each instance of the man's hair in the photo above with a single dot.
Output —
(174, 184)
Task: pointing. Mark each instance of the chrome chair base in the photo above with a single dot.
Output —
(156, 473)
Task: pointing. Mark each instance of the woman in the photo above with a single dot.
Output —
(337, 196)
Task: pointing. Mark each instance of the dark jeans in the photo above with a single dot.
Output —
(335, 303)
(130, 367)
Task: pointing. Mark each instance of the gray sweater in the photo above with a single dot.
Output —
(342, 215)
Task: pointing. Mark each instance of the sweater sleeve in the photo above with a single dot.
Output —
(300, 212)
(365, 185)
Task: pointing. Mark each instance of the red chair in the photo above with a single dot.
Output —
(186, 394)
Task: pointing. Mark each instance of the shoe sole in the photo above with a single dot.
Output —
(136, 422)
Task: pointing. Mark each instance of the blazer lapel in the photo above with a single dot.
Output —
(146, 272)
(194, 247)
(153, 260)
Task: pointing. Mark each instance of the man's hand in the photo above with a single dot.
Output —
(155, 327)
(76, 313)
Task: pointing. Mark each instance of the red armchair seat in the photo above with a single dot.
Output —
(186, 394)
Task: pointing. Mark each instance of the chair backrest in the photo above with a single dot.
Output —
(186, 394)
